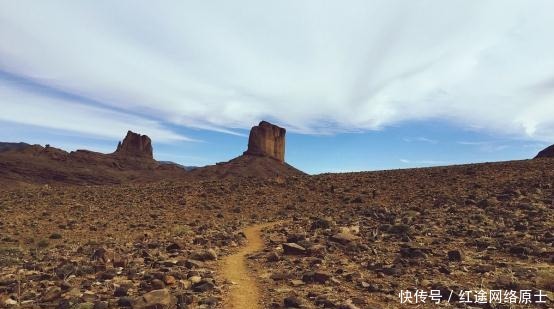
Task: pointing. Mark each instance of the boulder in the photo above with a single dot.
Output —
(293, 249)
(268, 140)
(155, 299)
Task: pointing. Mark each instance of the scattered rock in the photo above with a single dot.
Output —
(293, 249)
(155, 299)
(455, 255)
(292, 302)
(204, 255)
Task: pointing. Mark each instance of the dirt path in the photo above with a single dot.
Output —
(244, 291)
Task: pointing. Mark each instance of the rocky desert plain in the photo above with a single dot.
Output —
(121, 230)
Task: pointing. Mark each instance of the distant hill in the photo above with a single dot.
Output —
(547, 152)
(13, 146)
(186, 168)
(133, 162)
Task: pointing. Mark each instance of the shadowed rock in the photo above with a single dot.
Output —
(135, 145)
(547, 152)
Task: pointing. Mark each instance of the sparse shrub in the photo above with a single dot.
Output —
(180, 230)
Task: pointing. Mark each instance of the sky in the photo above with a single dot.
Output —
(359, 85)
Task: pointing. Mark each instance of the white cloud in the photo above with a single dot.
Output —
(313, 66)
(420, 139)
(485, 146)
(31, 109)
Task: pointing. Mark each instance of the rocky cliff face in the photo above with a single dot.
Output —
(547, 152)
(135, 145)
(267, 140)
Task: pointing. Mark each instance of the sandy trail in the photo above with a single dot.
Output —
(244, 292)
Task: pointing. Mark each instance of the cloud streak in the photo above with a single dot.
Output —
(315, 67)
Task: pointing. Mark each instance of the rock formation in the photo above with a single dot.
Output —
(547, 152)
(135, 145)
(267, 140)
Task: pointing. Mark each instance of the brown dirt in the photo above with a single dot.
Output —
(365, 237)
(244, 292)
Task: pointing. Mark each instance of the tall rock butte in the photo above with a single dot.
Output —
(268, 140)
(135, 145)
(547, 152)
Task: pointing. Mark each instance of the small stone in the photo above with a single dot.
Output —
(273, 257)
(157, 284)
(400, 229)
(155, 299)
(279, 275)
(173, 247)
(293, 249)
(455, 255)
(120, 291)
(292, 302)
(317, 276)
(51, 294)
(100, 254)
(106, 275)
(190, 263)
(203, 286)
(125, 301)
(344, 238)
(100, 305)
(413, 253)
(519, 250)
(209, 301)
(204, 255)
(169, 280)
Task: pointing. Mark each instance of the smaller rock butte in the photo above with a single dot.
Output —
(547, 152)
(135, 145)
(268, 140)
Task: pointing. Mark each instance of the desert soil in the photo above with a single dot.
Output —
(351, 240)
(244, 292)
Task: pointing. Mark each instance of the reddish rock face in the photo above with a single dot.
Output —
(135, 145)
(548, 152)
(268, 140)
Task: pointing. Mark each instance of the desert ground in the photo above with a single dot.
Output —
(349, 240)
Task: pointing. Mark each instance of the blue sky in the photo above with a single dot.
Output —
(360, 85)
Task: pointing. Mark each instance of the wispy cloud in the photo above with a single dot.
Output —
(420, 139)
(28, 108)
(486, 146)
(310, 66)
(469, 143)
